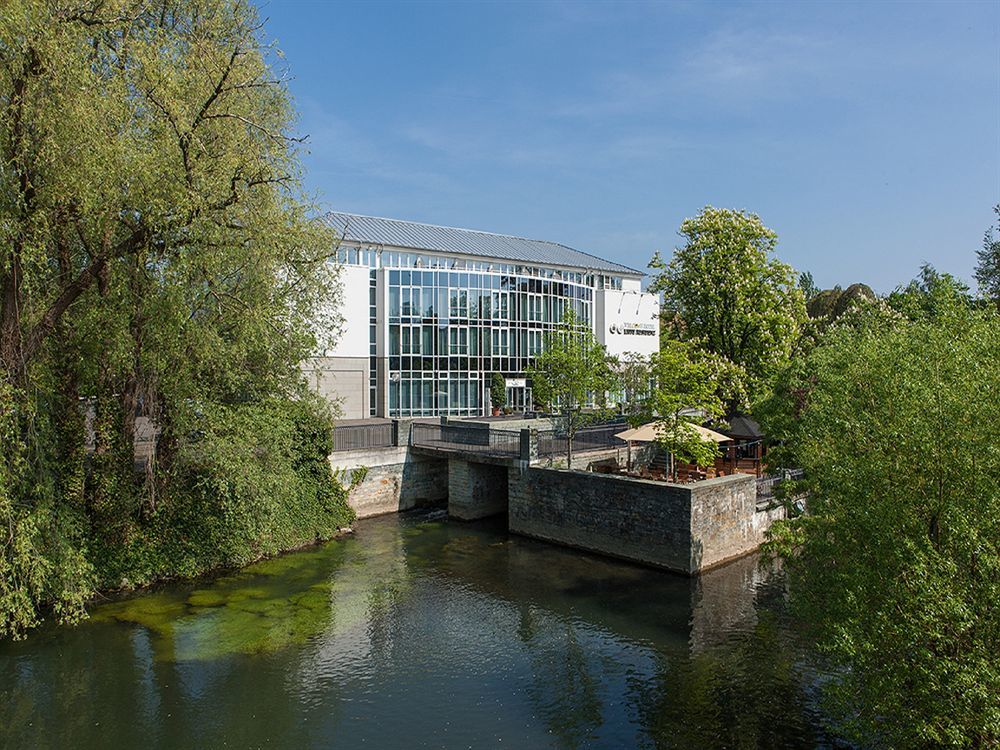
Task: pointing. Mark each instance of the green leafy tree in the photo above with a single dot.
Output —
(498, 391)
(572, 374)
(633, 377)
(725, 289)
(685, 393)
(931, 295)
(157, 262)
(808, 285)
(895, 567)
(988, 265)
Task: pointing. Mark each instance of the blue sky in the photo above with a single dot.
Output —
(867, 135)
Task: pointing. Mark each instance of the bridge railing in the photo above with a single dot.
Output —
(551, 443)
(361, 436)
(767, 485)
(467, 438)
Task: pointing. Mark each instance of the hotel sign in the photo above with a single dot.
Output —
(633, 329)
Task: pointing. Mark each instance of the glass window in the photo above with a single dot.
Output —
(458, 340)
(393, 301)
(393, 340)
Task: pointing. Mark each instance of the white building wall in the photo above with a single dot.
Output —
(353, 341)
(627, 320)
(341, 375)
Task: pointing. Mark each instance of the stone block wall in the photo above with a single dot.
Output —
(397, 480)
(722, 519)
(476, 490)
(685, 528)
(639, 520)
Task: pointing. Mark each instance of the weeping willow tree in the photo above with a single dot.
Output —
(157, 262)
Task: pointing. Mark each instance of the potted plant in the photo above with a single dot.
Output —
(498, 393)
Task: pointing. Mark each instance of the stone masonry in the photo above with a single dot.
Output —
(686, 528)
(397, 480)
(476, 490)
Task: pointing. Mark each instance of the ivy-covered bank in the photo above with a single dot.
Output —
(254, 482)
(159, 269)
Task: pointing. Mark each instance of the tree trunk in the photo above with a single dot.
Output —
(569, 439)
(10, 320)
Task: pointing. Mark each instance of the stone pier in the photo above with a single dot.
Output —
(686, 528)
(476, 490)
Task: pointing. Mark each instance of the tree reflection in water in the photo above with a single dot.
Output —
(419, 631)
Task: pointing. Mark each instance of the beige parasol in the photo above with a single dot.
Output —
(648, 433)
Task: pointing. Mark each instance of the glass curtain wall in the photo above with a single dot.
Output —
(449, 330)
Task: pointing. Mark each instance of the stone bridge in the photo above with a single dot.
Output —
(481, 471)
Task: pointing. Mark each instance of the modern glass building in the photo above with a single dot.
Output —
(432, 312)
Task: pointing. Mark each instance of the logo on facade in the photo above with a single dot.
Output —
(633, 329)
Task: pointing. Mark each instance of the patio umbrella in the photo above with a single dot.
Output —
(647, 433)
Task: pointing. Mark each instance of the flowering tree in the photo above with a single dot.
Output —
(725, 289)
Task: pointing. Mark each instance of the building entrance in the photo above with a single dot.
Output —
(519, 398)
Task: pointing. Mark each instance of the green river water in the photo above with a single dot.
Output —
(418, 632)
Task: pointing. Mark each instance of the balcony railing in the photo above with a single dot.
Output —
(767, 485)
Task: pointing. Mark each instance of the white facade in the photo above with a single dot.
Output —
(343, 374)
(354, 338)
(627, 321)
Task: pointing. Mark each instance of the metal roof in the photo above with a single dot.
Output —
(374, 230)
(744, 427)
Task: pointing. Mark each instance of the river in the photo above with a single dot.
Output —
(419, 632)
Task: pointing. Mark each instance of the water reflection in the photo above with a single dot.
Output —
(416, 632)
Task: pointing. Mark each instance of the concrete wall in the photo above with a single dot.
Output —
(343, 381)
(397, 480)
(476, 490)
(685, 528)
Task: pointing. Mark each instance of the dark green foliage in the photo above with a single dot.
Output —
(988, 265)
(896, 567)
(829, 304)
(158, 264)
(498, 391)
(250, 481)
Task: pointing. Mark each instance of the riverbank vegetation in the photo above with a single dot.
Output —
(895, 569)
(158, 272)
(889, 405)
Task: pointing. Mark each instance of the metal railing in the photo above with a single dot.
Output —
(360, 436)
(551, 443)
(467, 438)
(767, 485)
